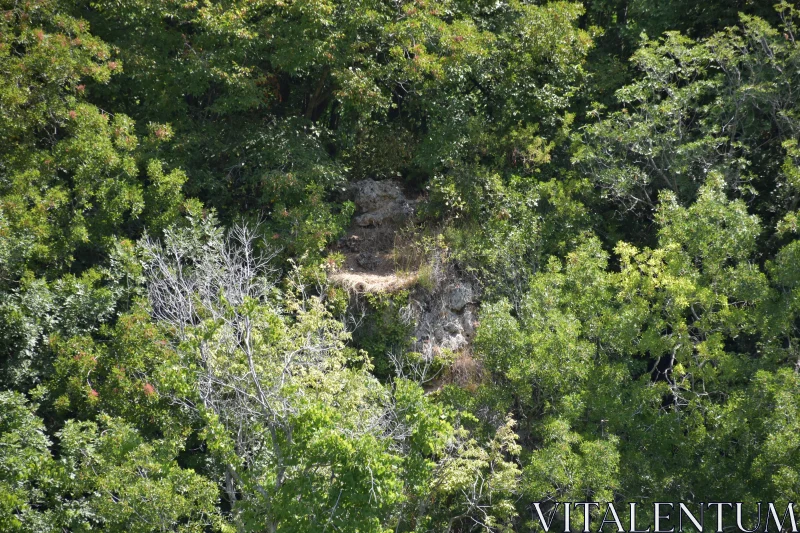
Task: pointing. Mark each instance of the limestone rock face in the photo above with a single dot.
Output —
(469, 322)
(370, 264)
(381, 202)
(445, 318)
(458, 296)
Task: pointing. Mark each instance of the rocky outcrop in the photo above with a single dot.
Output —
(444, 312)
(381, 202)
(382, 209)
(446, 318)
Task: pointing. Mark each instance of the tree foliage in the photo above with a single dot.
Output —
(618, 179)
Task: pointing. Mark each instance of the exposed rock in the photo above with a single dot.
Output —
(445, 317)
(351, 242)
(458, 296)
(368, 246)
(468, 322)
(453, 326)
(454, 342)
(381, 202)
(371, 195)
(444, 314)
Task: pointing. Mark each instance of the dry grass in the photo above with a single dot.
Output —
(365, 282)
(466, 371)
(408, 253)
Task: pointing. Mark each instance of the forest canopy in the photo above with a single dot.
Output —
(395, 266)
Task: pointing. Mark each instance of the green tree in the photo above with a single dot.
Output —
(113, 479)
(303, 435)
(74, 182)
(722, 104)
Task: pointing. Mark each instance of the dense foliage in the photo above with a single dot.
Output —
(620, 178)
